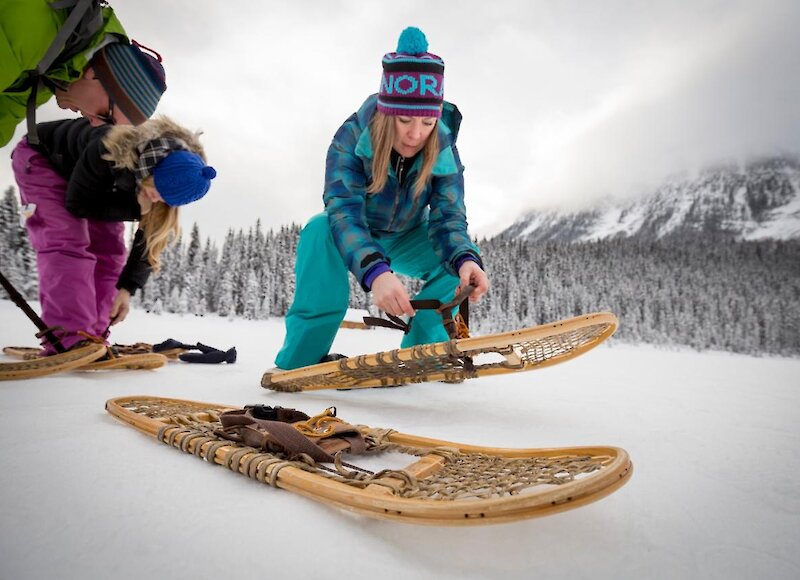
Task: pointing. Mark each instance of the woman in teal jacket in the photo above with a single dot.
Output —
(95, 71)
(394, 202)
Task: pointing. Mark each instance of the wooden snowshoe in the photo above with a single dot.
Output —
(30, 352)
(144, 361)
(145, 348)
(455, 360)
(111, 358)
(444, 483)
(40, 366)
(23, 352)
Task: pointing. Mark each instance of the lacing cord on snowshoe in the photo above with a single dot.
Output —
(457, 327)
(322, 425)
(110, 354)
(58, 333)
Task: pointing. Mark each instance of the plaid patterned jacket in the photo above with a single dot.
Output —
(355, 216)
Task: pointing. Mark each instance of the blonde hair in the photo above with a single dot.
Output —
(123, 145)
(382, 132)
(160, 226)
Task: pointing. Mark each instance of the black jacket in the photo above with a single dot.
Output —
(95, 189)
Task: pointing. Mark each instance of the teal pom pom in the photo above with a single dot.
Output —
(412, 41)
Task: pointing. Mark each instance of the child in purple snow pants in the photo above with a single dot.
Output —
(79, 260)
(80, 183)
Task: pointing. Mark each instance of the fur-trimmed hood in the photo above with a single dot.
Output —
(125, 142)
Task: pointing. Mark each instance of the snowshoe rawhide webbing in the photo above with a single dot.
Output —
(454, 360)
(442, 483)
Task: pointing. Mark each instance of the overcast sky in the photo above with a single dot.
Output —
(564, 102)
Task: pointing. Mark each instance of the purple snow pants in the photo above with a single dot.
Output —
(79, 260)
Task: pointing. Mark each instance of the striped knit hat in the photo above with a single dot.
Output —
(413, 79)
(133, 79)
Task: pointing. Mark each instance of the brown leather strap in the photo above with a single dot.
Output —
(444, 310)
(394, 322)
(278, 433)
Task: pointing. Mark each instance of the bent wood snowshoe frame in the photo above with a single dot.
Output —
(454, 360)
(32, 352)
(144, 361)
(41, 366)
(116, 361)
(445, 484)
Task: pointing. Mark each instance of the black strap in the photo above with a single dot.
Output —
(46, 331)
(53, 51)
(394, 322)
(445, 310)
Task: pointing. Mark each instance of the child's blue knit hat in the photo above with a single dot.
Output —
(182, 177)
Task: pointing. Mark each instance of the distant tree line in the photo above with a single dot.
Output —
(735, 296)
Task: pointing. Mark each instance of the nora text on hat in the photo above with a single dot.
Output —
(412, 83)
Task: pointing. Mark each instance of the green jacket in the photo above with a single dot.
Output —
(27, 27)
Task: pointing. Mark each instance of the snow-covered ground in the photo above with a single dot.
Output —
(714, 439)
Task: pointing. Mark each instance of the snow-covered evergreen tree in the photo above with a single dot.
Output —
(17, 258)
(225, 304)
(250, 298)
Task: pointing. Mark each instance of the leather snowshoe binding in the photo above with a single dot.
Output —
(291, 432)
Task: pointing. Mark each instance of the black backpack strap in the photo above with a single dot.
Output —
(71, 24)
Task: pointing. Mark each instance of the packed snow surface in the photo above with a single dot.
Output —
(714, 439)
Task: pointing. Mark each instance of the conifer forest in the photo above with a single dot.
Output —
(738, 296)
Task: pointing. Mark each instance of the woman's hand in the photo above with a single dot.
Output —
(120, 307)
(472, 274)
(390, 295)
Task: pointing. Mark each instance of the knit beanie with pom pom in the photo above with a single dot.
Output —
(413, 79)
(182, 177)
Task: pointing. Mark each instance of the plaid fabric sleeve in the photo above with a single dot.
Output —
(447, 226)
(345, 203)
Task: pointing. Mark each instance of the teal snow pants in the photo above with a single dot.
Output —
(322, 291)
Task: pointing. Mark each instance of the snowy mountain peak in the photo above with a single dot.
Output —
(759, 200)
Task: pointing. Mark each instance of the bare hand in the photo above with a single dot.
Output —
(120, 307)
(390, 295)
(472, 274)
